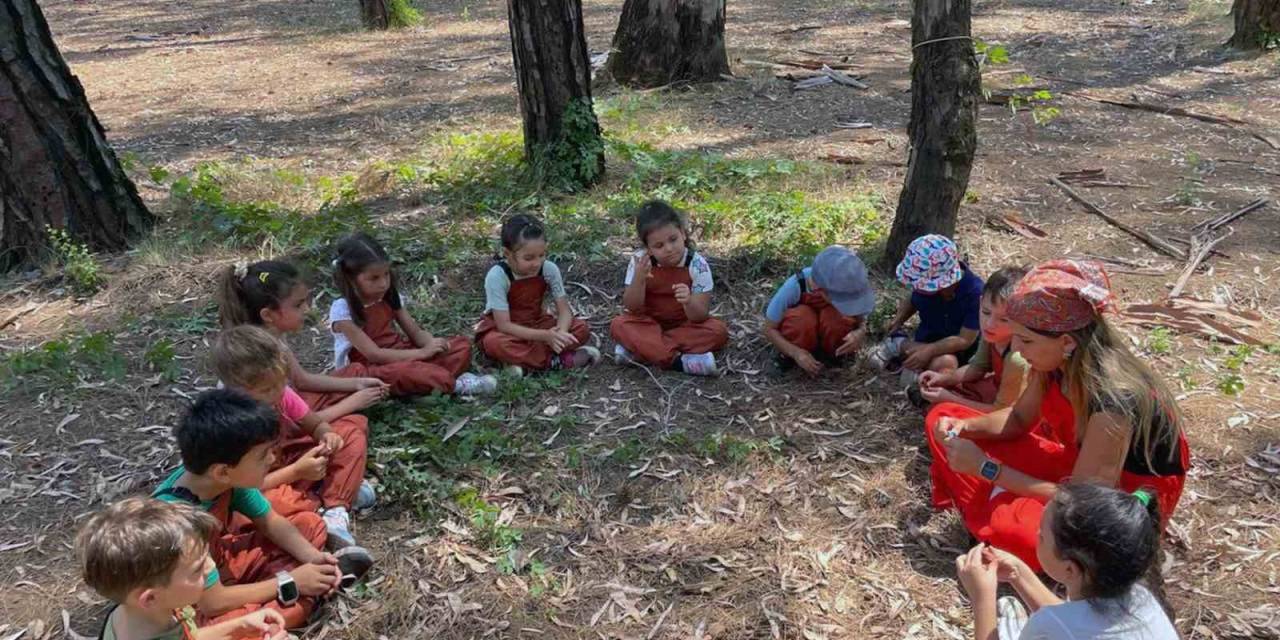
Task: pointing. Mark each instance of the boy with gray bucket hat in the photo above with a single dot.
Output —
(819, 314)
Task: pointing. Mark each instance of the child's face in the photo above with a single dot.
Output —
(526, 259)
(291, 314)
(373, 283)
(1043, 353)
(1047, 551)
(269, 391)
(186, 585)
(252, 469)
(666, 244)
(994, 321)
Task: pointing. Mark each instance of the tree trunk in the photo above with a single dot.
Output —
(375, 14)
(659, 42)
(944, 104)
(56, 169)
(1257, 24)
(553, 77)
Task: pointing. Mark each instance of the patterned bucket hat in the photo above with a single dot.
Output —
(932, 263)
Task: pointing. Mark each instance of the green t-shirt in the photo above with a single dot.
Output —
(1016, 372)
(249, 502)
(184, 619)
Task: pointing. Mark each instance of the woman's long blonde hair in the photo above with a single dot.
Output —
(1103, 372)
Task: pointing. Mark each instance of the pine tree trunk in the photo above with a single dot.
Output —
(944, 102)
(553, 77)
(1257, 24)
(375, 14)
(56, 168)
(659, 42)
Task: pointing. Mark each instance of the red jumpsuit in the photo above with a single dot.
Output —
(525, 304)
(343, 474)
(411, 377)
(813, 324)
(662, 331)
(1048, 452)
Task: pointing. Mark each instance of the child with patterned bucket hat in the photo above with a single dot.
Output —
(948, 297)
(819, 314)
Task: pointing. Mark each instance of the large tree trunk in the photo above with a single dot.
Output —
(1257, 24)
(553, 77)
(56, 169)
(944, 104)
(659, 42)
(375, 14)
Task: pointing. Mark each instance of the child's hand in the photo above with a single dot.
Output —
(963, 456)
(936, 394)
(933, 380)
(1009, 568)
(263, 623)
(918, 358)
(977, 575)
(806, 361)
(370, 383)
(369, 396)
(313, 464)
(682, 293)
(643, 266)
(946, 426)
(852, 343)
(561, 340)
(332, 442)
(316, 579)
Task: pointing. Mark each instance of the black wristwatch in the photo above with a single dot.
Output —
(990, 469)
(286, 589)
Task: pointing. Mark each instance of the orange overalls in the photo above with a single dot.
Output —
(813, 324)
(412, 377)
(343, 474)
(1047, 452)
(244, 555)
(525, 304)
(662, 332)
(985, 389)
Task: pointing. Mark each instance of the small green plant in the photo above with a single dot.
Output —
(989, 54)
(1231, 384)
(161, 358)
(485, 520)
(1188, 194)
(971, 197)
(1039, 102)
(1160, 340)
(1238, 358)
(400, 14)
(735, 450)
(97, 351)
(78, 265)
(1186, 377)
(158, 174)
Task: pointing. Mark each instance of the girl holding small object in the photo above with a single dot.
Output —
(364, 324)
(668, 320)
(516, 329)
(1092, 411)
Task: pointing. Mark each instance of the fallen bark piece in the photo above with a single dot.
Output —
(843, 78)
(1197, 317)
(1201, 247)
(1017, 225)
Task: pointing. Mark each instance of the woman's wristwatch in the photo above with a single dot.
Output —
(990, 469)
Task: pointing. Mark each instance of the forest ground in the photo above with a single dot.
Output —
(627, 503)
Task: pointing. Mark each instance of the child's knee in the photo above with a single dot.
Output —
(942, 363)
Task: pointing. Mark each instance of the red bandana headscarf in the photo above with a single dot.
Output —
(1061, 295)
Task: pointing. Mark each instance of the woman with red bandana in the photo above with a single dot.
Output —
(1092, 412)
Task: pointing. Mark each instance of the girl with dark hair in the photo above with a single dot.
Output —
(516, 329)
(364, 321)
(668, 320)
(1092, 411)
(1103, 546)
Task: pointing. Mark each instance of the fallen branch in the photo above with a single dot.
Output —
(1200, 249)
(1214, 224)
(843, 78)
(1179, 111)
(13, 317)
(807, 27)
(1152, 241)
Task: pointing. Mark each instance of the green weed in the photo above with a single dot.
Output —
(735, 450)
(78, 266)
(1160, 340)
(91, 356)
(400, 14)
(1231, 384)
(161, 358)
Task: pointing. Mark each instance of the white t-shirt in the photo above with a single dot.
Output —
(497, 285)
(339, 311)
(1079, 620)
(699, 271)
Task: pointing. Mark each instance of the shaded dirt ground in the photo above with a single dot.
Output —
(829, 535)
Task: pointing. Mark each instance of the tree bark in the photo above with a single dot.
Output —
(375, 14)
(1257, 24)
(553, 77)
(660, 42)
(56, 168)
(944, 102)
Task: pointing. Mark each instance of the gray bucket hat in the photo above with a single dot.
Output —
(839, 272)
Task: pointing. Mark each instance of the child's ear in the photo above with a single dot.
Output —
(147, 597)
(1069, 343)
(268, 315)
(219, 472)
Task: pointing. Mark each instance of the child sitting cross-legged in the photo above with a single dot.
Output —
(151, 559)
(261, 558)
(317, 464)
(995, 377)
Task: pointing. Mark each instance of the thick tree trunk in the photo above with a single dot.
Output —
(944, 102)
(659, 42)
(553, 77)
(375, 14)
(56, 169)
(1257, 24)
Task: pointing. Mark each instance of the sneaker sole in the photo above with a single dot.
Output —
(354, 563)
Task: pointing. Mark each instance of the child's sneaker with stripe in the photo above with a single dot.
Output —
(699, 364)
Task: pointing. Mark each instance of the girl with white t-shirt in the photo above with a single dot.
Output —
(1103, 546)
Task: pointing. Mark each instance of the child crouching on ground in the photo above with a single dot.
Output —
(317, 464)
(668, 320)
(819, 314)
(151, 559)
(996, 376)
(947, 295)
(516, 329)
(261, 558)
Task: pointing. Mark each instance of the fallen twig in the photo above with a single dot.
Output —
(1154, 242)
(807, 27)
(1214, 224)
(1228, 121)
(13, 317)
(1200, 249)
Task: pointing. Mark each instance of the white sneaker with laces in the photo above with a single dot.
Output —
(470, 384)
(338, 523)
(621, 355)
(366, 497)
(699, 364)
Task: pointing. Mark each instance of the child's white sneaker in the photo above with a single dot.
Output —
(578, 358)
(514, 370)
(470, 384)
(699, 364)
(338, 523)
(366, 497)
(621, 355)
